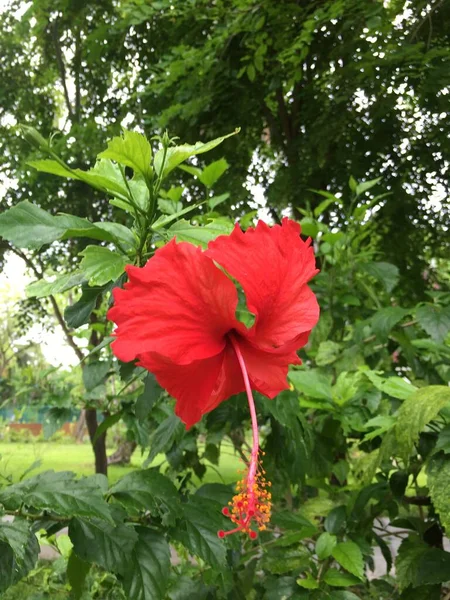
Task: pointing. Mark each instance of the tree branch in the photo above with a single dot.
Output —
(61, 66)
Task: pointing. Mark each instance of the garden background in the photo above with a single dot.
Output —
(333, 113)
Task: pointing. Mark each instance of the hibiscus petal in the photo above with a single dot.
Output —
(273, 266)
(191, 385)
(179, 305)
(268, 368)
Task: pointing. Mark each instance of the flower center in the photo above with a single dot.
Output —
(251, 505)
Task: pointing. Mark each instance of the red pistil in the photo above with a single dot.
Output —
(251, 505)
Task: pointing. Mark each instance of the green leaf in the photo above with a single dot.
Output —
(312, 383)
(78, 314)
(352, 183)
(198, 235)
(320, 208)
(105, 544)
(343, 595)
(366, 186)
(309, 227)
(55, 418)
(132, 150)
(327, 353)
(147, 570)
(28, 226)
(178, 154)
(144, 403)
(62, 283)
(77, 571)
(435, 320)
(10, 570)
(216, 200)
(251, 72)
(407, 561)
(349, 556)
(337, 578)
(166, 219)
(393, 386)
(213, 172)
(309, 583)
(443, 441)
(336, 520)
(386, 319)
(101, 265)
(415, 413)
(16, 534)
(94, 373)
(384, 272)
(438, 474)
(325, 544)
(58, 493)
(198, 528)
(147, 490)
(433, 567)
(167, 432)
(169, 207)
(106, 424)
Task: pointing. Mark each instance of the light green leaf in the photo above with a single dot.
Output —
(352, 183)
(166, 219)
(178, 154)
(438, 474)
(199, 235)
(393, 386)
(325, 544)
(349, 556)
(312, 383)
(435, 320)
(147, 570)
(337, 578)
(213, 172)
(416, 412)
(345, 387)
(309, 583)
(62, 283)
(169, 207)
(366, 186)
(216, 200)
(132, 150)
(320, 208)
(101, 265)
(327, 353)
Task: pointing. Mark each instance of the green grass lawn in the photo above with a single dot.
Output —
(15, 458)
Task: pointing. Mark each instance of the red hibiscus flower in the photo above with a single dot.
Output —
(177, 317)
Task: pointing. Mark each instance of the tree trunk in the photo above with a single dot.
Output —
(79, 427)
(99, 448)
(122, 455)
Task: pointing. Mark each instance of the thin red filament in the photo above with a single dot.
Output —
(251, 506)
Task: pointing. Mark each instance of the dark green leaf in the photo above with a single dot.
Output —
(147, 570)
(147, 490)
(28, 226)
(336, 520)
(107, 545)
(435, 320)
(94, 374)
(152, 391)
(77, 571)
(59, 493)
(16, 534)
(167, 432)
(384, 272)
(385, 319)
(78, 314)
(106, 424)
(438, 474)
(10, 570)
